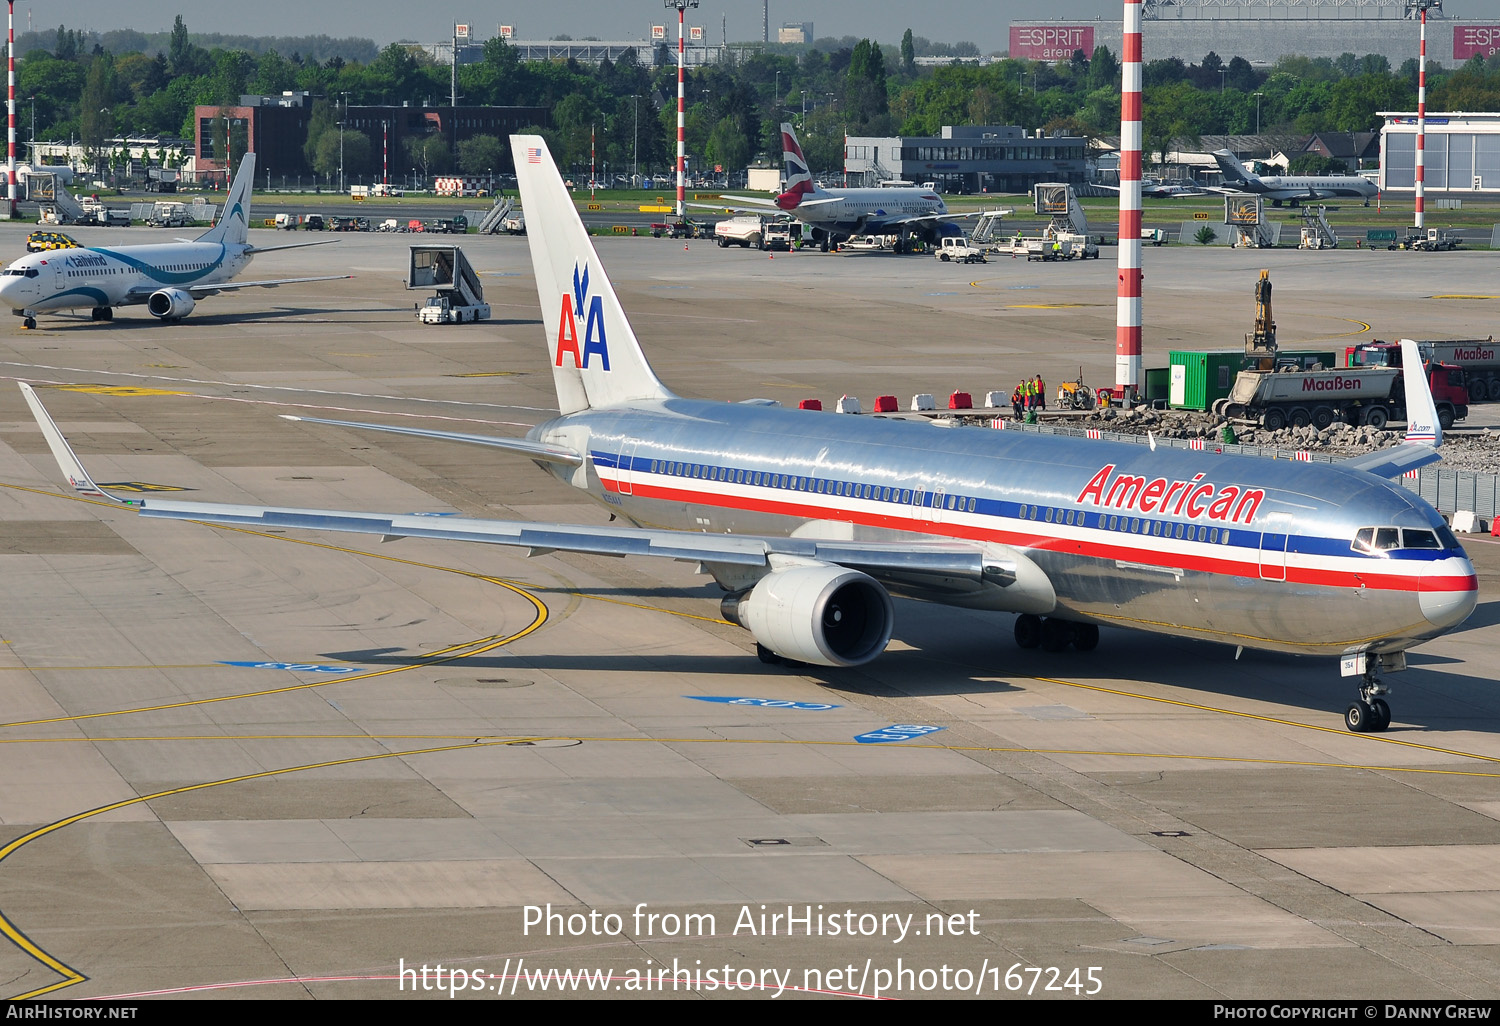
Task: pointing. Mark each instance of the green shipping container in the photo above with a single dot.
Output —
(1198, 378)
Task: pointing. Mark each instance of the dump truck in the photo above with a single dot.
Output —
(1373, 396)
(459, 296)
(1479, 358)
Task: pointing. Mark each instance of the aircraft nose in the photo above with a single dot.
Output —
(1451, 607)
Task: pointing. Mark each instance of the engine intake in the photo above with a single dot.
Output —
(824, 615)
(170, 304)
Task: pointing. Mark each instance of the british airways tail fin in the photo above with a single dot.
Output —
(233, 227)
(596, 360)
(799, 181)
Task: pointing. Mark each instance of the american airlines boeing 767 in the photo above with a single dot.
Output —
(811, 521)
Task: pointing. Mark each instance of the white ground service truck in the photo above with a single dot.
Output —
(459, 296)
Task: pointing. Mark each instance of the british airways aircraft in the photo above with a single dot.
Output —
(811, 521)
(838, 214)
(169, 278)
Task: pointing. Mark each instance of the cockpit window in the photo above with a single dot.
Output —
(1376, 541)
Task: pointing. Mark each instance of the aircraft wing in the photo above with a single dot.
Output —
(1424, 432)
(252, 250)
(140, 295)
(902, 560)
(535, 450)
(1393, 462)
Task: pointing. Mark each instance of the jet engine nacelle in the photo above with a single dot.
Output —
(170, 304)
(824, 615)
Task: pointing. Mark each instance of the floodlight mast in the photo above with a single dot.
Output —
(1422, 7)
(681, 6)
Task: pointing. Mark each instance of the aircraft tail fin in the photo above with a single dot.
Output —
(1422, 427)
(799, 181)
(1232, 169)
(596, 360)
(233, 226)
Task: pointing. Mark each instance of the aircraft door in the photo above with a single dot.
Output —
(57, 275)
(626, 473)
(1273, 546)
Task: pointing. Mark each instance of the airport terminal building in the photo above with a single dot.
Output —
(1461, 154)
(968, 159)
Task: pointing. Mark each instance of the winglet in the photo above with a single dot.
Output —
(1422, 427)
(67, 459)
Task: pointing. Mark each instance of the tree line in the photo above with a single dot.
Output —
(628, 108)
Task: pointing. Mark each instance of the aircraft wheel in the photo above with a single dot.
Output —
(1028, 630)
(1322, 417)
(1377, 417)
(107, 313)
(1086, 637)
(1056, 634)
(1359, 717)
(1273, 419)
(766, 655)
(29, 322)
(1382, 718)
(1300, 417)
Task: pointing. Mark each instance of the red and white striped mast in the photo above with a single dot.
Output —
(1128, 298)
(10, 169)
(682, 6)
(1422, 7)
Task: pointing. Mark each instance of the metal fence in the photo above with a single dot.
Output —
(1449, 491)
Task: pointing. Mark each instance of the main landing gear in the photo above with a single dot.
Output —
(1371, 714)
(102, 313)
(1054, 635)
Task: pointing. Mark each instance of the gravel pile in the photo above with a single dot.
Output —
(1462, 450)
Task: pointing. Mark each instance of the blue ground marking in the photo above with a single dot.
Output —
(763, 703)
(897, 732)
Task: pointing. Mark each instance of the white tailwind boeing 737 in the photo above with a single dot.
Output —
(837, 214)
(810, 521)
(169, 278)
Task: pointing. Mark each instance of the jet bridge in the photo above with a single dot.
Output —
(459, 296)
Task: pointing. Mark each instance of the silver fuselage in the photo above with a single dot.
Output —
(1242, 550)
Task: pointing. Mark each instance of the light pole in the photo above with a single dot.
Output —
(635, 142)
(344, 95)
(1422, 7)
(681, 6)
(1257, 112)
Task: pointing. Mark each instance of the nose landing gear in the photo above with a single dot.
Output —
(1370, 714)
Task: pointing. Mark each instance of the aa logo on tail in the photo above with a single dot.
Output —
(578, 306)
